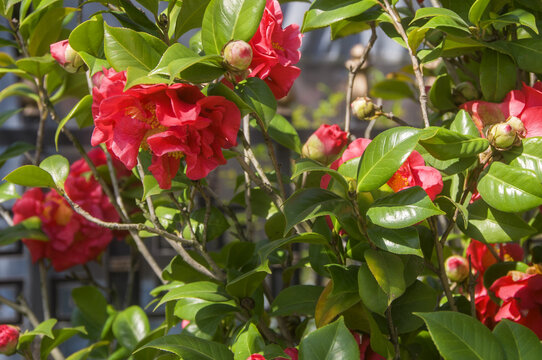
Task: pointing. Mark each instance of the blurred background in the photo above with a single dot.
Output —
(317, 97)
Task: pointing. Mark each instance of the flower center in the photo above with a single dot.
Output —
(176, 154)
(398, 182)
(277, 46)
(143, 116)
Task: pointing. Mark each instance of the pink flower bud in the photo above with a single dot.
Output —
(256, 357)
(501, 136)
(68, 58)
(325, 144)
(457, 268)
(9, 336)
(237, 55)
(363, 108)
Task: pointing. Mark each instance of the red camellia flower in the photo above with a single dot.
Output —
(325, 144)
(9, 337)
(412, 172)
(522, 299)
(275, 51)
(173, 122)
(73, 240)
(256, 357)
(525, 104)
(291, 352)
(482, 258)
(365, 350)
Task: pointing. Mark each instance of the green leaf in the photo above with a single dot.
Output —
(83, 354)
(189, 347)
(497, 75)
(527, 156)
(30, 175)
(405, 208)
(459, 336)
(463, 124)
(248, 342)
(446, 144)
(94, 63)
(526, 52)
(490, 225)
(190, 16)
(47, 30)
(307, 238)
(296, 300)
(209, 317)
(517, 16)
(477, 10)
(339, 295)
(388, 271)
(418, 297)
(130, 327)
(403, 241)
(5, 116)
(15, 149)
(18, 89)
(372, 295)
(284, 133)
(384, 155)
(83, 107)
(430, 11)
(29, 228)
(392, 89)
(518, 341)
(229, 20)
(323, 13)
(257, 95)
(38, 66)
(510, 189)
(58, 167)
(89, 36)
(222, 90)
(440, 94)
(448, 25)
(216, 225)
(304, 165)
(60, 336)
(245, 284)
(309, 203)
(331, 342)
(204, 290)
(91, 310)
(8, 191)
(125, 47)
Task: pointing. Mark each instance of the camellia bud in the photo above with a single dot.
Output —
(325, 144)
(457, 268)
(68, 58)
(517, 126)
(364, 108)
(501, 136)
(237, 55)
(9, 336)
(465, 92)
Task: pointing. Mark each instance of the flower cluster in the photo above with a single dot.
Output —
(172, 122)
(73, 240)
(275, 51)
(413, 172)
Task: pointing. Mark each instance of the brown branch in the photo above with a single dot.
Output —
(441, 270)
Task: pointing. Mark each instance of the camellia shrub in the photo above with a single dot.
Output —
(424, 237)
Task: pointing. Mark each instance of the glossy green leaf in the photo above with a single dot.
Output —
(29, 228)
(431, 11)
(337, 298)
(216, 224)
(204, 290)
(15, 149)
(60, 336)
(248, 342)
(497, 75)
(440, 94)
(38, 66)
(392, 89)
(284, 133)
(405, 208)
(448, 25)
(125, 47)
(245, 284)
(89, 37)
(84, 353)
(91, 310)
(517, 16)
(477, 10)
(384, 155)
(257, 95)
(518, 341)
(190, 16)
(403, 241)
(131, 326)
(309, 203)
(30, 175)
(58, 167)
(323, 13)
(209, 317)
(493, 226)
(189, 347)
(304, 165)
(510, 189)
(527, 156)
(372, 295)
(222, 90)
(388, 271)
(296, 300)
(307, 238)
(526, 52)
(8, 191)
(459, 336)
(94, 63)
(417, 298)
(47, 30)
(229, 20)
(446, 144)
(464, 124)
(331, 342)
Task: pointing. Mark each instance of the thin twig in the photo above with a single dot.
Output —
(393, 334)
(4, 213)
(44, 293)
(352, 75)
(415, 63)
(248, 185)
(441, 270)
